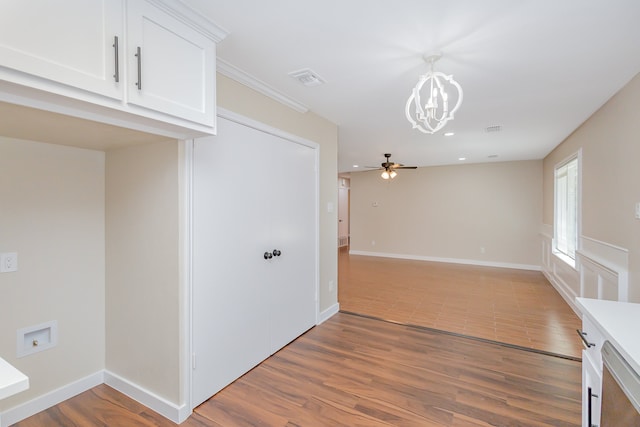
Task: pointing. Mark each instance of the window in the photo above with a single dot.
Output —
(567, 208)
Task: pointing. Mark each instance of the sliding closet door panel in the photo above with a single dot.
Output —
(230, 334)
(293, 227)
(253, 193)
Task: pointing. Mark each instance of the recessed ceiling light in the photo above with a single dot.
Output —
(462, 158)
(356, 166)
(449, 134)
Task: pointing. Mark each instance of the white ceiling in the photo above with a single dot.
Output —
(538, 68)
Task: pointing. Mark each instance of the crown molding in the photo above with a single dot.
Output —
(192, 18)
(247, 79)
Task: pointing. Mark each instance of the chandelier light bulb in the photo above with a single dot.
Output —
(385, 175)
(434, 114)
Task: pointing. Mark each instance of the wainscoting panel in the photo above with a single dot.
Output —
(604, 270)
(601, 270)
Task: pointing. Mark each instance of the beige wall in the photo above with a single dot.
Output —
(451, 212)
(52, 214)
(610, 176)
(240, 99)
(143, 283)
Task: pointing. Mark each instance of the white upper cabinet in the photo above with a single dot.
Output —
(69, 42)
(171, 65)
(144, 64)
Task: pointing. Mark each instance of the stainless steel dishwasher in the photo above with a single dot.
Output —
(620, 390)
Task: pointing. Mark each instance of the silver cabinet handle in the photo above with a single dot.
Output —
(139, 56)
(583, 337)
(116, 76)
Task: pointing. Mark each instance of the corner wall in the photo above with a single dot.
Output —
(610, 177)
(143, 282)
(52, 215)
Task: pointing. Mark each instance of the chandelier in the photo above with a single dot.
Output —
(436, 87)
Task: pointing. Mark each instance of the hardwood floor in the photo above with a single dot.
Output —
(435, 361)
(518, 307)
(357, 371)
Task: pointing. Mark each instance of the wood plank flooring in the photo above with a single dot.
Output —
(356, 371)
(518, 307)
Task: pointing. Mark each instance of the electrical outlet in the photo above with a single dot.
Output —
(8, 262)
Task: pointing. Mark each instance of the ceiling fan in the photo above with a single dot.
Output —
(388, 168)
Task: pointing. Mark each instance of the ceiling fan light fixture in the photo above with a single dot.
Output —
(393, 174)
(385, 174)
(436, 87)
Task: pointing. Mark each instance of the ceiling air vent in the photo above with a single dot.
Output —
(307, 77)
(494, 128)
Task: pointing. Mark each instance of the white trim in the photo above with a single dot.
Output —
(577, 155)
(328, 313)
(254, 124)
(449, 260)
(316, 254)
(609, 263)
(52, 398)
(235, 73)
(611, 256)
(564, 290)
(169, 410)
(557, 270)
(186, 343)
(192, 18)
(565, 258)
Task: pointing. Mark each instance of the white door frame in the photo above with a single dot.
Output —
(185, 408)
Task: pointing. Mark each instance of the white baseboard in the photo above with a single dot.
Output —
(171, 411)
(565, 292)
(46, 401)
(326, 314)
(449, 260)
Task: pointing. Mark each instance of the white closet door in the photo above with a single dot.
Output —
(293, 204)
(230, 334)
(253, 192)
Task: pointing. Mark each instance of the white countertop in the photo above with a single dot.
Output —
(619, 323)
(12, 381)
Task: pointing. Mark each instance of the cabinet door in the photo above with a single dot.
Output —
(591, 391)
(69, 42)
(171, 66)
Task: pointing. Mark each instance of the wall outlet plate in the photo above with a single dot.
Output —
(8, 262)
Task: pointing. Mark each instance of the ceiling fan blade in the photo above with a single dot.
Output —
(406, 167)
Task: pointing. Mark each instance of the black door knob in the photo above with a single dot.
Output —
(276, 252)
(268, 255)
